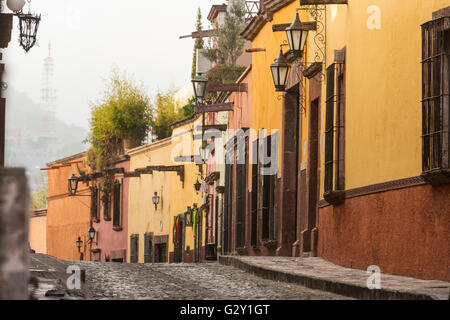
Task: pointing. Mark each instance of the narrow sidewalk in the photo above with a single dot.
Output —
(317, 273)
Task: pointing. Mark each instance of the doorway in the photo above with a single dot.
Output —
(161, 253)
(309, 233)
(178, 243)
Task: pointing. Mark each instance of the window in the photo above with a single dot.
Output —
(335, 131)
(435, 100)
(95, 204)
(107, 209)
(117, 210)
(148, 247)
(134, 248)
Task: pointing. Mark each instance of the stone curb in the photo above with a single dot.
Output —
(338, 287)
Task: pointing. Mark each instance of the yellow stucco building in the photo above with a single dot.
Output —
(165, 167)
(363, 167)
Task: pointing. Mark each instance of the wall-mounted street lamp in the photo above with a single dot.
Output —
(73, 184)
(199, 83)
(79, 243)
(296, 36)
(280, 71)
(188, 217)
(156, 199)
(28, 27)
(92, 234)
(28, 23)
(197, 185)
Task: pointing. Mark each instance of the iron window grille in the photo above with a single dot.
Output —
(334, 182)
(435, 100)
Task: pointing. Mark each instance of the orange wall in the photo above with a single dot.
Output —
(240, 117)
(403, 232)
(38, 232)
(67, 217)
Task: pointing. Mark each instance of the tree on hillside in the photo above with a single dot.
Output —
(199, 43)
(39, 193)
(227, 45)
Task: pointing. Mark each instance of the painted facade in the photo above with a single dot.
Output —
(111, 220)
(390, 217)
(350, 152)
(67, 217)
(143, 218)
(168, 168)
(38, 231)
(186, 151)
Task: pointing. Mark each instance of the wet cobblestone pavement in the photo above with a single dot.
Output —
(186, 281)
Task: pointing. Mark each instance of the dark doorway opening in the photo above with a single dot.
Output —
(161, 253)
(178, 244)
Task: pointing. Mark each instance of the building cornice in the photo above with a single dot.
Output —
(259, 21)
(151, 146)
(215, 10)
(184, 121)
(379, 187)
(67, 159)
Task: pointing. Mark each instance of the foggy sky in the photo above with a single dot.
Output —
(89, 36)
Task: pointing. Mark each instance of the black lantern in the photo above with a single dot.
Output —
(197, 185)
(155, 200)
(280, 70)
(188, 217)
(28, 27)
(73, 185)
(200, 83)
(79, 243)
(296, 36)
(91, 234)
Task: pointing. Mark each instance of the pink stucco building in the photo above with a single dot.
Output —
(110, 221)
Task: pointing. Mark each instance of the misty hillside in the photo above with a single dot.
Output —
(34, 136)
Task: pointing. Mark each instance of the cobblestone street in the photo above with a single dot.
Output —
(168, 282)
(187, 281)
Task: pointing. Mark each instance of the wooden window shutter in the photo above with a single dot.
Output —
(117, 204)
(134, 248)
(107, 209)
(94, 203)
(147, 248)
